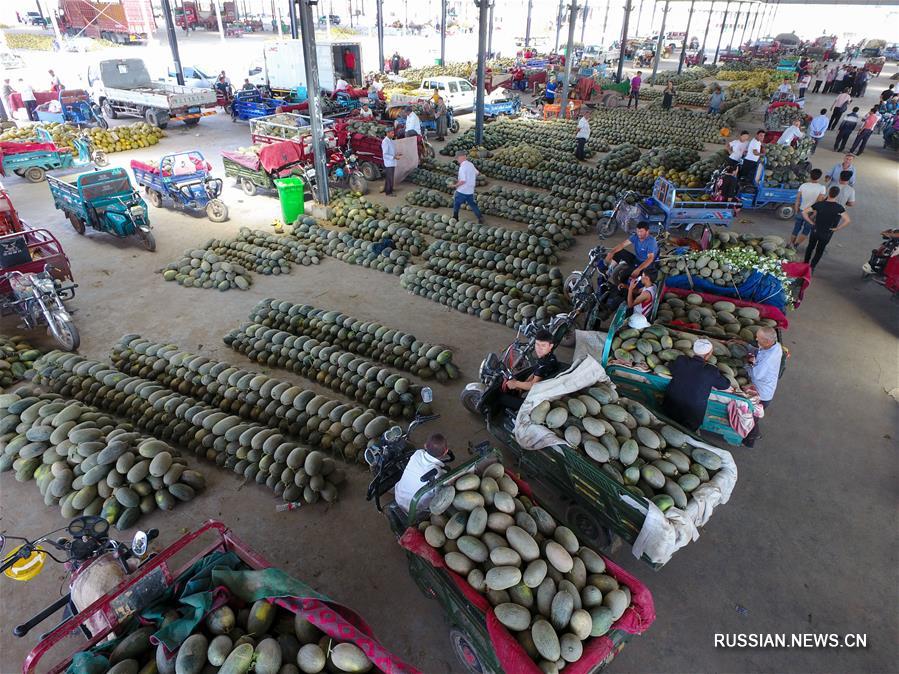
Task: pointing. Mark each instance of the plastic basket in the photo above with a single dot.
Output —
(290, 193)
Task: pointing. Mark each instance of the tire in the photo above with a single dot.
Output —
(470, 398)
(147, 240)
(35, 174)
(100, 158)
(108, 111)
(77, 223)
(427, 150)
(154, 197)
(101, 122)
(157, 118)
(192, 122)
(465, 652)
(249, 187)
(454, 126)
(358, 183)
(605, 227)
(574, 278)
(370, 170)
(65, 334)
(217, 211)
(785, 212)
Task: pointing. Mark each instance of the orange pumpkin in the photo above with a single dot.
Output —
(725, 132)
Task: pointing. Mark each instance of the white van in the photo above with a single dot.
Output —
(457, 93)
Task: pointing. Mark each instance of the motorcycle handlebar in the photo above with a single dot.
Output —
(15, 557)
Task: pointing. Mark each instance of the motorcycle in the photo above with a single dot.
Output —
(343, 172)
(224, 95)
(38, 300)
(387, 458)
(95, 562)
(883, 265)
(595, 292)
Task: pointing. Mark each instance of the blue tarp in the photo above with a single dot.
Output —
(758, 287)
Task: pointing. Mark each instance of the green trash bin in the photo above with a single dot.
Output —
(290, 193)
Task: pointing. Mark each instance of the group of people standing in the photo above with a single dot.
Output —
(26, 92)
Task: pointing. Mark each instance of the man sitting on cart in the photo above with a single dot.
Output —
(424, 465)
(645, 254)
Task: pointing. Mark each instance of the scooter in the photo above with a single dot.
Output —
(96, 563)
(387, 458)
(595, 292)
(38, 300)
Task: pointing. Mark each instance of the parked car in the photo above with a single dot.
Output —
(35, 19)
(335, 20)
(193, 77)
(457, 93)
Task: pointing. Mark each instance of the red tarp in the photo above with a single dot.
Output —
(276, 155)
(802, 271)
(250, 161)
(15, 98)
(9, 147)
(511, 655)
(143, 166)
(765, 310)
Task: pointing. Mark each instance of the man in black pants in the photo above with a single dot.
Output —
(826, 217)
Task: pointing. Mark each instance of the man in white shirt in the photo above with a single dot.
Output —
(817, 128)
(424, 465)
(413, 123)
(737, 148)
(464, 186)
(785, 89)
(388, 150)
(342, 85)
(846, 197)
(808, 193)
(365, 112)
(764, 371)
(28, 99)
(754, 151)
(792, 133)
(582, 136)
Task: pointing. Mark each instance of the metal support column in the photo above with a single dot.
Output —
(683, 50)
(442, 32)
(773, 18)
(319, 150)
(294, 24)
(490, 33)
(745, 26)
(379, 18)
(483, 19)
(628, 7)
(721, 34)
(639, 15)
(734, 31)
(584, 22)
(218, 16)
(277, 14)
(658, 58)
(558, 27)
(173, 40)
(752, 36)
(605, 23)
(527, 29)
(53, 21)
(706, 34)
(652, 19)
(569, 58)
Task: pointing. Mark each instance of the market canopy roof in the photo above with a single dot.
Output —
(872, 3)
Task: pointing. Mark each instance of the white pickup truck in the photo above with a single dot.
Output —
(123, 87)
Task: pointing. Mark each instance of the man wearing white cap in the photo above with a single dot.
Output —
(692, 380)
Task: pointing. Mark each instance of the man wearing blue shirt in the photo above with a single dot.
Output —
(818, 127)
(645, 254)
(764, 371)
(846, 165)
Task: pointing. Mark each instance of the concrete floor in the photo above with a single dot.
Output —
(808, 542)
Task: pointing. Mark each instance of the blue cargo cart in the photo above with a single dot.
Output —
(74, 107)
(252, 104)
(184, 179)
(766, 195)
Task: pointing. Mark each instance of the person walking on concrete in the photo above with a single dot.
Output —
(817, 128)
(861, 138)
(829, 79)
(5, 93)
(395, 63)
(715, 101)
(388, 150)
(28, 99)
(804, 80)
(819, 71)
(582, 136)
(764, 372)
(635, 90)
(826, 217)
(464, 185)
(808, 193)
(840, 104)
(847, 126)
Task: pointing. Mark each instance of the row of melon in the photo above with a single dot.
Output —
(249, 449)
(369, 339)
(86, 462)
(16, 357)
(318, 421)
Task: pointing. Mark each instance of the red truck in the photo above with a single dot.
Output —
(122, 21)
(195, 16)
